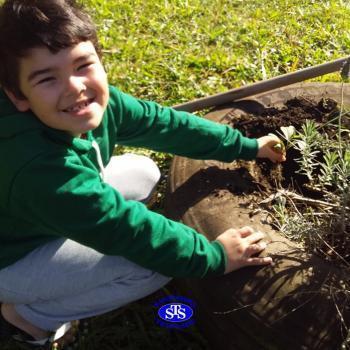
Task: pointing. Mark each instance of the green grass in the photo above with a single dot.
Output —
(173, 51)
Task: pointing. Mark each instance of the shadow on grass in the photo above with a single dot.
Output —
(133, 327)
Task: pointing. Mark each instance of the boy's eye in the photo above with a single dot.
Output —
(85, 65)
(44, 80)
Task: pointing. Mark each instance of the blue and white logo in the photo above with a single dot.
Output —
(175, 312)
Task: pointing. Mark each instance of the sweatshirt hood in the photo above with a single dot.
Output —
(13, 122)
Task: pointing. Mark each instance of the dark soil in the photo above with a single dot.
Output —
(295, 112)
(267, 177)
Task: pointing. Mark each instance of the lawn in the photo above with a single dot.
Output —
(179, 50)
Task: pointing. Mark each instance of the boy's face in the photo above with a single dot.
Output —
(67, 90)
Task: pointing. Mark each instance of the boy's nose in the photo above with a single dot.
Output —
(75, 85)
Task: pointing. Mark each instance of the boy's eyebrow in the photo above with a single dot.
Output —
(35, 73)
(84, 57)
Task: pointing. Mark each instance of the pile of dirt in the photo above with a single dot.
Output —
(269, 120)
(295, 112)
(267, 178)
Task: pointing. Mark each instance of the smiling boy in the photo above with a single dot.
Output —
(41, 78)
(76, 239)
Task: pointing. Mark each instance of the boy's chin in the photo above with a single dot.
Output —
(91, 126)
(78, 133)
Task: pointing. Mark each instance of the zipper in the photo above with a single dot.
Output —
(99, 158)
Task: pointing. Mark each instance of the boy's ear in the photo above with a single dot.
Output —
(22, 104)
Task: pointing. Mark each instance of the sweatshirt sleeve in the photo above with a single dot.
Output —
(146, 124)
(71, 201)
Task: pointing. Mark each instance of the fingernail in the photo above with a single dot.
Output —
(261, 233)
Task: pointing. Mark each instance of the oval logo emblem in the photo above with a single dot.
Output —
(175, 312)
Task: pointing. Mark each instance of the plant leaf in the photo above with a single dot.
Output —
(288, 131)
(301, 144)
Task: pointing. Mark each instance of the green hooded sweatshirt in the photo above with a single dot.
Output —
(50, 185)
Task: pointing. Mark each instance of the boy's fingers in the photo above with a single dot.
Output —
(276, 156)
(245, 231)
(258, 261)
(274, 138)
(255, 248)
(279, 157)
(255, 237)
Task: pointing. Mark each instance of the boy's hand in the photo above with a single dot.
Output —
(240, 245)
(271, 147)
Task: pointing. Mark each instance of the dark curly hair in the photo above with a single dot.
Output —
(26, 24)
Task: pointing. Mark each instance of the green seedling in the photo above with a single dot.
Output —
(278, 147)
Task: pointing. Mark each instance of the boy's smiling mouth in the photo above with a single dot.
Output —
(78, 106)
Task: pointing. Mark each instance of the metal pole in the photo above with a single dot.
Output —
(262, 86)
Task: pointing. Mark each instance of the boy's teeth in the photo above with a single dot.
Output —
(78, 107)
